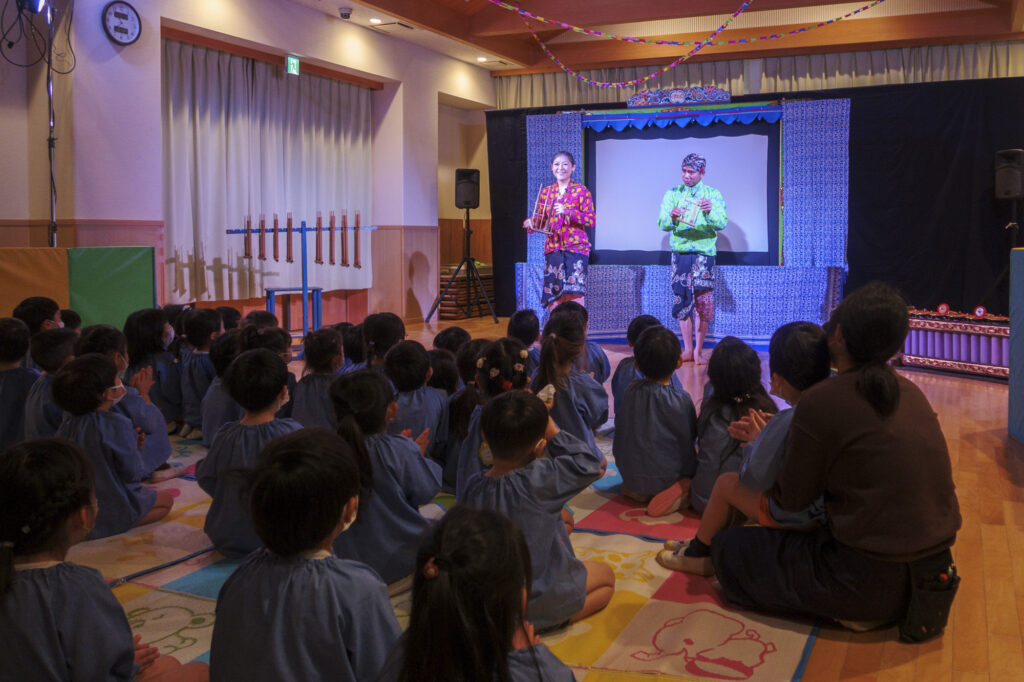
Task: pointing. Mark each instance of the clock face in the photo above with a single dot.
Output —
(121, 22)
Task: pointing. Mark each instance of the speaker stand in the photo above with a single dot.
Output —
(1014, 228)
(472, 275)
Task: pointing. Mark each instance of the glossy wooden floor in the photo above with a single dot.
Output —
(984, 637)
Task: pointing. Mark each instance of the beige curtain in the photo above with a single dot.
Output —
(776, 74)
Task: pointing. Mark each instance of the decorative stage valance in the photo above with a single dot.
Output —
(620, 119)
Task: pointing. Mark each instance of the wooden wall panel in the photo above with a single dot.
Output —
(420, 258)
(451, 235)
(388, 292)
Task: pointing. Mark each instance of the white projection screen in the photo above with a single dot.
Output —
(630, 175)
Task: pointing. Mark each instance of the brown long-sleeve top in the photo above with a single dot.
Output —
(887, 483)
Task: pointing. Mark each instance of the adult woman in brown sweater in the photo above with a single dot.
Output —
(869, 442)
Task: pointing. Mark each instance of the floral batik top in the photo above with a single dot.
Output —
(569, 229)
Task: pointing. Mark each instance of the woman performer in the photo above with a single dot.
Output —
(565, 210)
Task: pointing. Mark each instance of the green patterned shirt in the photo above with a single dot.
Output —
(701, 237)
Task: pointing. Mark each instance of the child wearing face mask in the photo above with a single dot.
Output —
(146, 418)
(149, 336)
(88, 388)
(257, 380)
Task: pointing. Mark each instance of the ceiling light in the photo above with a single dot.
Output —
(481, 59)
(374, 20)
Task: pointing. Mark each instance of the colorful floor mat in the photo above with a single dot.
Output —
(659, 625)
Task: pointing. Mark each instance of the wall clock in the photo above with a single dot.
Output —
(121, 22)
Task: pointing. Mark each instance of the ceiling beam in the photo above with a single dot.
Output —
(494, 21)
(862, 34)
(451, 24)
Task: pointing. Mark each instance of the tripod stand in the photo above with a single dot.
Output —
(472, 275)
(1013, 227)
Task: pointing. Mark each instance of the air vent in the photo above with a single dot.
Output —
(393, 27)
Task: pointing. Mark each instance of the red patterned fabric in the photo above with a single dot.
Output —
(569, 229)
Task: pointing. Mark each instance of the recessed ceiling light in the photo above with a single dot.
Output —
(481, 59)
(374, 20)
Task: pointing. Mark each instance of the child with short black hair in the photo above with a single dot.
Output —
(61, 620)
(594, 359)
(311, 397)
(444, 373)
(581, 404)
(218, 407)
(472, 576)
(451, 338)
(16, 381)
(39, 313)
(421, 408)
(525, 326)
(381, 331)
(294, 610)
(51, 349)
(71, 319)
(397, 482)
(145, 417)
(150, 337)
(798, 358)
(229, 316)
(626, 372)
(656, 429)
(537, 469)
(500, 367)
(277, 340)
(352, 342)
(87, 388)
(202, 326)
(260, 319)
(734, 372)
(256, 380)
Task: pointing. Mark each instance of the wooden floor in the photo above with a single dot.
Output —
(984, 638)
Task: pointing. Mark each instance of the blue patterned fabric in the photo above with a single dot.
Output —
(815, 182)
(620, 120)
(545, 135)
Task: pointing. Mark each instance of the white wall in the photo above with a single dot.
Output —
(462, 143)
(111, 139)
(14, 141)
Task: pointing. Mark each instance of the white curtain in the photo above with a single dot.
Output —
(242, 138)
(776, 74)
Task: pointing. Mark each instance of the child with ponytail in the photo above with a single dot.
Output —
(149, 336)
(397, 480)
(311, 397)
(60, 620)
(581, 404)
(472, 579)
(501, 366)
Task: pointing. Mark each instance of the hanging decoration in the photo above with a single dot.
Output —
(645, 41)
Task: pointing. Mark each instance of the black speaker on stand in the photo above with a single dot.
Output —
(1009, 178)
(467, 196)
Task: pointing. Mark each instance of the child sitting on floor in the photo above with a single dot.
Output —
(626, 372)
(293, 610)
(524, 326)
(60, 620)
(472, 578)
(656, 429)
(218, 407)
(451, 339)
(460, 407)
(797, 359)
(39, 313)
(273, 339)
(593, 360)
(581, 404)
(202, 326)
(257, 381)
(421, 408)
(311, 398)
(537, 469)
(149, 336)
(146, 418)
(16, 381)
(501, 367)
(352, 343)
(381, 331)
(51, 350)
(734, 372)
(444, 373)
(396, 482)
(88, 388)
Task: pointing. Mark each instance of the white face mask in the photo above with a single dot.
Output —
(169, 338)
(123, 392)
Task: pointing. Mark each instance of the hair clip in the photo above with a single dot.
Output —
(506, 385)
(494, 372)
(523, 354)
(26, 530)
(480, 363)
(518, 367)
(430, 569)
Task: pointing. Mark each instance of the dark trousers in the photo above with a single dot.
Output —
(790, 572)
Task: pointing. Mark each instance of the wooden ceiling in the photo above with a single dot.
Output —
(500, 33)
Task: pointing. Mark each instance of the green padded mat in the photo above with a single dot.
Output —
(108, 283)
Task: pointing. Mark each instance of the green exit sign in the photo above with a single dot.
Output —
(293, 65)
